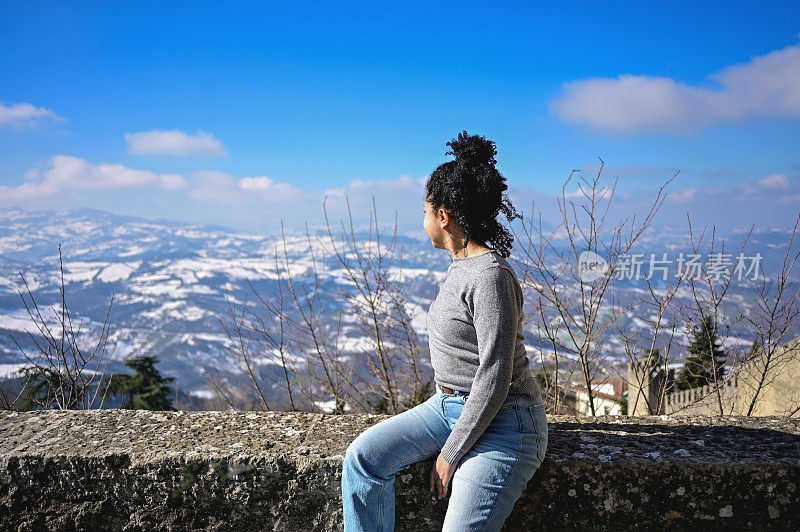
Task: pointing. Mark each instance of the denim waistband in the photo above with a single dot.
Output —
(456, 393)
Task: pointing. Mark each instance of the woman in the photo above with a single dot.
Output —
(486, 421)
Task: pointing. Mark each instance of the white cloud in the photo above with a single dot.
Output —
(583, 192)
(400, 197)
(774, 181)
(25, 114)
(265, 201)
(360, 190)
(767, 85)
(683, 196)
(26, 192)
(211, 185)
(67, 173)
(172, 181)
(271, 190)
(771, 184)
(769, 189)
(174, 142)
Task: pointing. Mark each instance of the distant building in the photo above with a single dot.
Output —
(652, 390)
(608, 397)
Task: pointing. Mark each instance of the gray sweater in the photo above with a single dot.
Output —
(475, 335)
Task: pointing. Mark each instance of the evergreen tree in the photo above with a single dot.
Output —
(37, 392)
(146, 388)
(652, 360)
(707, 356)
(381, 405)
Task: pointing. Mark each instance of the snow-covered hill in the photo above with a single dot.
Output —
(170, 283)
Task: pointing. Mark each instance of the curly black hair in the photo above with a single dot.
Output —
(473, 191)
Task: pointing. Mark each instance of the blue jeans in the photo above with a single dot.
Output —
(488, 480)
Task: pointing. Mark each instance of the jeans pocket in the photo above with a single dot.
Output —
(507, 419)
(452, 406)
(539, 419)
(507, 406)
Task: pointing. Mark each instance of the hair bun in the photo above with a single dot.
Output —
(472, 149)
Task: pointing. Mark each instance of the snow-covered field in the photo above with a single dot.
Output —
(173, 283)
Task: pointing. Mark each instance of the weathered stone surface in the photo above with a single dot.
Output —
(139, 470)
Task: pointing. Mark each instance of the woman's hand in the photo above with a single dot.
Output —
(441, 473)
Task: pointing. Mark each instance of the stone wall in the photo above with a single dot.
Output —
(773, 381)
(703, 400)
(139, 470)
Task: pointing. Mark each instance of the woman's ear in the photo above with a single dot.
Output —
(444, 216)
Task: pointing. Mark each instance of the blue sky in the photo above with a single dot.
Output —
(247, 114)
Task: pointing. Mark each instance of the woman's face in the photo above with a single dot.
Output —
(431, 223)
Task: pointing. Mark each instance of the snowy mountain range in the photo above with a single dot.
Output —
(170, 282)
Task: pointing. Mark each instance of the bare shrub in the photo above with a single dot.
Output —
(62, 374)
(391, 349)
(573, 315)
(709, 285)
(257, 341)
(287, 329)
(651, 347)
(776, 313)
